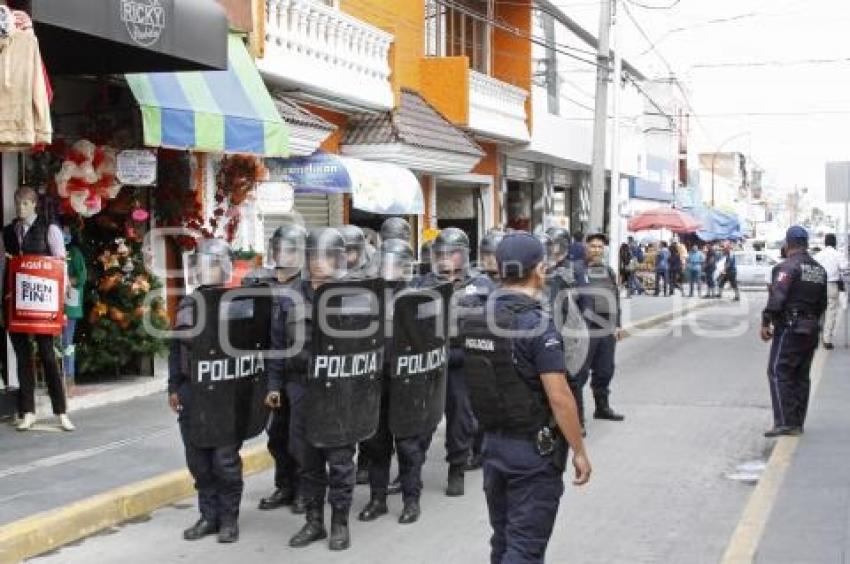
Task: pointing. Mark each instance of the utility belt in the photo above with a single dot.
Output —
(801, 323)
(790, 317)
(548, 441)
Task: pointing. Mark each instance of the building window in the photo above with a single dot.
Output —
(460, 29)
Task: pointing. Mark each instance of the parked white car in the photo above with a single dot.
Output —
(754, 267)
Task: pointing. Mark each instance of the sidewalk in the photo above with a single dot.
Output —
(128, 442)
(810, 520)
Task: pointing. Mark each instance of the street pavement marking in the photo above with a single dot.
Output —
(745, 540)
(75, 455)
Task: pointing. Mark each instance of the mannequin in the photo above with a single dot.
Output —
(30, 234)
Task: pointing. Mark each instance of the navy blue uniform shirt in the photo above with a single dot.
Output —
(798, 285)
(540, 352)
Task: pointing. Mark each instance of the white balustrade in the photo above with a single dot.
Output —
(496, 108)
(325, 53)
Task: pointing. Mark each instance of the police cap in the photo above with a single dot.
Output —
(797, 235)
(518, 254)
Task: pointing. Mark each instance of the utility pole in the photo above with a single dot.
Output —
(600, 119)
(614, 211)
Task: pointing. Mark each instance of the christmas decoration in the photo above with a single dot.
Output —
(87, 178)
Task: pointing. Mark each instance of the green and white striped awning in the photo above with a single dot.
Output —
(227, 111)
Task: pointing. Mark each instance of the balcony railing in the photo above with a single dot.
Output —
(497, 109)
(325, 53)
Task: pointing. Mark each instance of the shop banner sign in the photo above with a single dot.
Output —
(136, 167)
(35, 290)
(320, 173)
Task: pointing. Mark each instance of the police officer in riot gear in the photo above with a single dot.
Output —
(486, 265)
(395, 228)
(397, 270)
(355, 248)
(487, 254)
(450, 263)
(561, 241)
(322, 470)
(601, 306)
(286, 254)
(217, 471)
(519, 392)
(797, 300)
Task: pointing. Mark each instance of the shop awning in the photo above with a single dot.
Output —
(375, 187)
(121, 36)
(213, 111)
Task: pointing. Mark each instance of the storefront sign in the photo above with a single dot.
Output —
(275, 197)
(136, 167)
(520, 170)
(145, 20)
(36, 299)
(320, 173)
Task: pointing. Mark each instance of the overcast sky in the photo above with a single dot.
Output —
(732, 100)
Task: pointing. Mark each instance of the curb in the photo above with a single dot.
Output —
(745, 540)
(52, 529)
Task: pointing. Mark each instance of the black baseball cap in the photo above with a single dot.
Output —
(518, 254)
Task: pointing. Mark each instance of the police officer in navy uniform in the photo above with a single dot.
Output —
(217, 471)
(397, 269)
(601, 303)
(519, 391)
(322, 470)
(450, 263)
(488, 266)
(286, 251)
(797, 300)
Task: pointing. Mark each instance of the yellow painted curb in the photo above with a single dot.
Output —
(748, 533)
(52, 529)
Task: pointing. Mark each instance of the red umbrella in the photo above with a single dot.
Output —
(664, 218)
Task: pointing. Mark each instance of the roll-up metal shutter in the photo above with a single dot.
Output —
(314, 208)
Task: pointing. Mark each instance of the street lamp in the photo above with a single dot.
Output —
(714, 158)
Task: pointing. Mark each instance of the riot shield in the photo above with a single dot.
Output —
(344, 377)
(227, 392)
(419, 363)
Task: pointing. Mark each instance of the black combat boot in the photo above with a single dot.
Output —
(340, 538)
(410, 513)
(314, 529)
(200, 529)
(279, 498)
(229, 531)
(376, 507)
(299, 506)
(454, 488)
(604, 411)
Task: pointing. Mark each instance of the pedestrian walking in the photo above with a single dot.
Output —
(626, 268)
(730, 272)
(519, 394)
(676, 269)
(832, 261)
(710, 270)
(695, 265)
(638, 257)
(791, 319)
(662, 268)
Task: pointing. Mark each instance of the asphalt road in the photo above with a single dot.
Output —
(695, 396)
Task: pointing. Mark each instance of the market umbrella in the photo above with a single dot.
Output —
(664, 218)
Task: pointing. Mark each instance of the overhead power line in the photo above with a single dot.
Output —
(648, 7)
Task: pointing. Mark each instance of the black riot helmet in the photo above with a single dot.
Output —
(549, 247)
(395, 228)
(211, 264)
(450, 253)
(487, 253)
(325, 255)
(355, 246)
(396, 260)
(286, 249)
(561, 241)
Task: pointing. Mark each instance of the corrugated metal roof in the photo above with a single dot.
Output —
(294, 114)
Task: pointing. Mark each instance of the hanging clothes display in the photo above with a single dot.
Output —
(24, 99)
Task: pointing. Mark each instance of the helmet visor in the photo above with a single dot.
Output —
(396, 268)
(450, 262)
(325, 264)
(209, 270)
